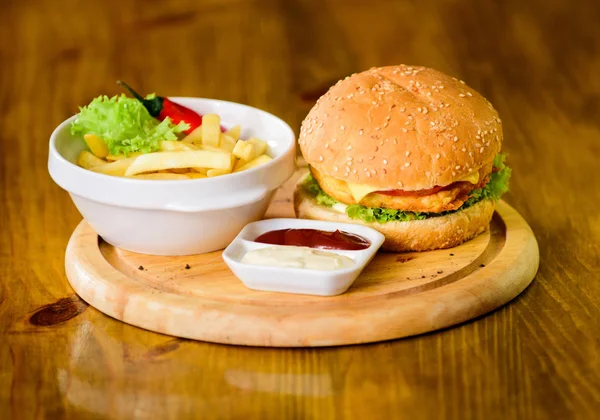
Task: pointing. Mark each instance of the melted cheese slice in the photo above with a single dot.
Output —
(473, 178)
(360, 191)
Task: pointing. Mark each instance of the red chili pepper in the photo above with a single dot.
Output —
(161, 108)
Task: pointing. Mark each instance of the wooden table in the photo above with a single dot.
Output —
(536, 61)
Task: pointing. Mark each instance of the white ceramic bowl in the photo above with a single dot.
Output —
(299, 280)
(177, 217)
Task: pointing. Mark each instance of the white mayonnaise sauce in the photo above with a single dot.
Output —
(297, 257)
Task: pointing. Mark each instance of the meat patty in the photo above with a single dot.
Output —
(435, 200)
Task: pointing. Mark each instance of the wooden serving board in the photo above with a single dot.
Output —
(397, 295)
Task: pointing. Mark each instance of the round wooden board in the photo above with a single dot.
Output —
(397, 295)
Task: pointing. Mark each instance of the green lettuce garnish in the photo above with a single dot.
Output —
(125, 125)
(493, 190)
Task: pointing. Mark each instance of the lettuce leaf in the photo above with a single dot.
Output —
(124, 124)
(493, 190)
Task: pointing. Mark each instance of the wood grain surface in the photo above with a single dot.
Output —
(537, 61)
(397, 295)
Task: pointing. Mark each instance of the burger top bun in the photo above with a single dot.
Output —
(401, 127)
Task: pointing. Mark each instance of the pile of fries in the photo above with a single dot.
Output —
(205, 152)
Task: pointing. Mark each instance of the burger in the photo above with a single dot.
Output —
(409, 151)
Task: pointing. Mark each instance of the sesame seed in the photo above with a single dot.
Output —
(453, 173)
(376, 148)
(360, 131)
(419, 109)
(402, 109)
(457, 167)
(455, 139)
(320, 158)
(432, 123)
(481, 150)
(377, 128)
(407, 164)
(428, 93)
(374, 171)
(470, 154)
(327, 145)
(385, 161)
(349, 147)
(441, 86)
(407, 153)
(478, 137)
(354, 171)
(469, 94)
(369, 174)
(462, 95)
(374, 103)
(425, 111)
(437, 156)
(371, 157)
(405, 130)
(335, 168)
(342, 127)
(384, 171)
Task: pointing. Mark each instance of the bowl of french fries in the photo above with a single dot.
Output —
(175, 194)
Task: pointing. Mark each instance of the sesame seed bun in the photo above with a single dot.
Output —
(401, 127)
(416, 235)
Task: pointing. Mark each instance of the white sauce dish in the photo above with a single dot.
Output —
(283, 273)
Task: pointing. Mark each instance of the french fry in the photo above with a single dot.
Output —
(178, 170)
(168, 160)
(116, 168)
(161, 176)
(211, 148)
(176, 146)
(88, 160)
(194, 137)
(211, 130)
(238, 164)
(96, 145)
(261, 160)
(195, 175)
(216, 172)
(260, 146)
(234, 132)
(227, 142)
(112, 158)
(202, 171)
(243, 150)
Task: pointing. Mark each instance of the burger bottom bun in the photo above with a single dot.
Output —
(415, 235)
